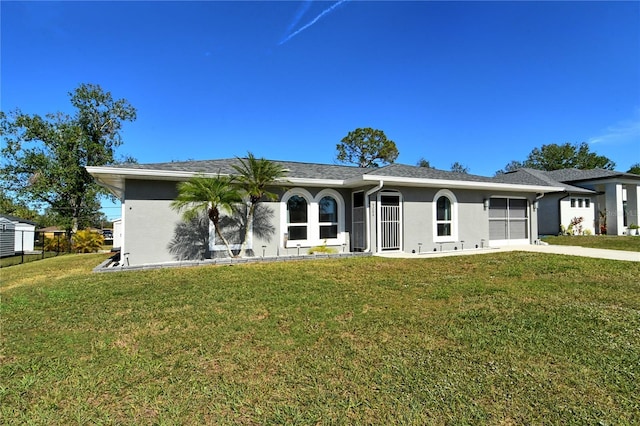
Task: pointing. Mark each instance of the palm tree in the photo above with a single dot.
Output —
(213, 195)
(254, 176)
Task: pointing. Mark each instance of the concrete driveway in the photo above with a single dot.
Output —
(630, 256)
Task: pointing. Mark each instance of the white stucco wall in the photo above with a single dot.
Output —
(568, 213)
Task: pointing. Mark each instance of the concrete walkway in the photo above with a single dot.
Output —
(630, 256)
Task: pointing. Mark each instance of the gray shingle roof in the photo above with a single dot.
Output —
(574, 175)
(313, 170)
(17, 219)
(303, 170)
(403, 170)
(527, 176)
(225, 167)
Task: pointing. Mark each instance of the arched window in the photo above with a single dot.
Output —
(443, 217)
(308, 220)
(445, 213)
(297, 218)
(328, 217)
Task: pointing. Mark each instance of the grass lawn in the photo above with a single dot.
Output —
(502, 338)
(16, 260)
(628, 243)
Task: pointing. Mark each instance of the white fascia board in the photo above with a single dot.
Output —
(443, 183)
(146, 173)
(122, 173)
(624, 180)
(324, 183)
(113, 178)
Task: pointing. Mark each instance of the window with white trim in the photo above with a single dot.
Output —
(328, 217)
(297, 218)
(445, 214)
(308, 221)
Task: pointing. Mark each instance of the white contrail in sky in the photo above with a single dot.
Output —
(323, 13)
(299, 14)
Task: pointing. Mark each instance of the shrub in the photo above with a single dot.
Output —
(59, 243)
(87, 241)
(575, 227)
(322, 249)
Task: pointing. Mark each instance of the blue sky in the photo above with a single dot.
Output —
(481, 83)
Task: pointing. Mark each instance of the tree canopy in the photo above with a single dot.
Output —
(366, 147)
(44, 158)
(422, 162)
(213, 195)
(254, 176)
(459, 168)
(566, 156)
(634, 169)
(227, 194)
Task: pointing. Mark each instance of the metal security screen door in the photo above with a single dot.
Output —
(390, 230)
(508, 221)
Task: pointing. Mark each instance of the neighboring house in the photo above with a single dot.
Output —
(608, 201)
(394, 208)
(52, 232)
(7, 237)
(25, 233)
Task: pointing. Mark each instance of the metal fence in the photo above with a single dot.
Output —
(18, 246)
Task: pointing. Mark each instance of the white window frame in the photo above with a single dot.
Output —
(454, 217)
(284, 217)
(340, 238)
(313, 218)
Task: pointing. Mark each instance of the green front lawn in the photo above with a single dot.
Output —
(18, 259)
(628, 243)
(503, 338)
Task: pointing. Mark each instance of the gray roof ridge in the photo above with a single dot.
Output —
(413, 166)
(577, 175)
(544, 176)
(233, 159)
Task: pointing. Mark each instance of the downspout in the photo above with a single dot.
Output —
(368, 221)
(536, 206)
(560, 209)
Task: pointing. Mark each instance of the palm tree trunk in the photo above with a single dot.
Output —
(214, 216)
(247, 228)
(224, 240)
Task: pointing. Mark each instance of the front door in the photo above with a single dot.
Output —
(389, 222)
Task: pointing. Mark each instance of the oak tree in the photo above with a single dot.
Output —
(44, 158)
(566, 156)
(366, 147)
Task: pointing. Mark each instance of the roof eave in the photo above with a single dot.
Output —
(440, 183)
(113, 180)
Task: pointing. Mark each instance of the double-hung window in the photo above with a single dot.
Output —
(297, 218)
(443, 216)
(445, 213)
(328, 217)
(309, 220)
